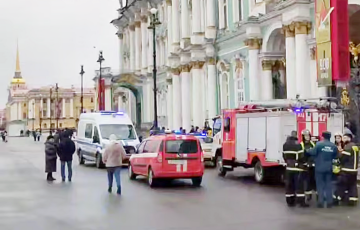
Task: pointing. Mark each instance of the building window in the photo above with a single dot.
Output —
(45, 125)
(52, 113)
(44, 113)
(92, 100)
(60, 125)
(44, 101)
(225, 97)
(225, 14)
(24, 115)
(239, 84)
(24, 104)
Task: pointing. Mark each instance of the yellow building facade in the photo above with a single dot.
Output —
(44, 107)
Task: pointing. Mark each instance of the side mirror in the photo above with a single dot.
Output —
(140, 139)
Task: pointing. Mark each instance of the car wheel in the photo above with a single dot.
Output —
(132, 175)
(219, 162)
(259, 172)
(99, 163)
(151, 180)
(196, 181)
(81, 158)
(214, 162)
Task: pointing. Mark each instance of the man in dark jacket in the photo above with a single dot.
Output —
(324, 154)
(307, 144)
(347, 180)
(294, 175)
(66, 150)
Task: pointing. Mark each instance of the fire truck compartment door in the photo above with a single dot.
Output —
(273, 139)
(242, 126)
(257, 134)
(335, 124)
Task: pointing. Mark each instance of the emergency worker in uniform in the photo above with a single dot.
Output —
(294, 175)
(307, 144)
(324, 154)
(347, 179)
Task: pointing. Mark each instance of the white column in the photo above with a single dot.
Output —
(144, 41)
(185, 28)
(203, 94)
(221, 14)
(266, 80)
(197, 112)
(202, 15)
(313, 74)
(254, 83)
(132, 47)
(169, 105)
(138, 45)
(210, 13)
(290, 62)
(108, 98)
(63, 108)
(211, 88)
(302, 60)
(121, 52)
(119, 103)
(48, 108)
(175, 24)
(196, 14)
(150, 51)
(177, 106)
(169, 23)
(71, 107)
(185, 97)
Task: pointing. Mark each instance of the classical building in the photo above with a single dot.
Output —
(45, 107)
(216, 54)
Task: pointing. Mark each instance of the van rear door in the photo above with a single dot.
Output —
(182, 155)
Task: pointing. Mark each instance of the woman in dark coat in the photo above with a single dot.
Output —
(50, 158)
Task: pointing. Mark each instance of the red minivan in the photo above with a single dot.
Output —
(168, 156)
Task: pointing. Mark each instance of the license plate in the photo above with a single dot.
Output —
(176, 162)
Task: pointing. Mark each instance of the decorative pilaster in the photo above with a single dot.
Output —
(169, 33)
(121, 51)
(48, 108)
(144, 40)
(150, 52)
(266, 81)
(138, 41)
(198, 81)
(254, 45)
(63, 107)
(132, 46)
(71, 107)
(302, 59)
(186, 97)
(169, 104)
(289, 32)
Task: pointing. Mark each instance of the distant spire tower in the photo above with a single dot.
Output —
(17, 79)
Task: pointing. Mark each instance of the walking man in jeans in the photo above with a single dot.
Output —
(66, 151)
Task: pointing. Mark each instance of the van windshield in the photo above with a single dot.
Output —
(217, 126)
(181, 146)
(122, 132)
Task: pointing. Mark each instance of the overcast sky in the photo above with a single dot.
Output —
(55, 38)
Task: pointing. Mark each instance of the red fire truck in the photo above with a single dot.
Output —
(254, 134)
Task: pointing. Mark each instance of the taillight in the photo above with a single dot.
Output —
(202, 156)
(160, 157)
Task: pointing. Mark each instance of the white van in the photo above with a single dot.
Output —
(93, 134)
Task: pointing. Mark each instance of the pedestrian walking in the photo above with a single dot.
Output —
(112, 158)
(66, 150)
(50, 158)
(38, 135)
(34, 135)
(324, 153)
(295, 174)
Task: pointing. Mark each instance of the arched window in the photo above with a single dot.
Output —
(239, 83)
(225, 94)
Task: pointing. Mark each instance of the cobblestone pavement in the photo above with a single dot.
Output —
(27, 201)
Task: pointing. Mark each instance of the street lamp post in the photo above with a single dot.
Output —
(153, 23)
(57, 105)
(50, 109)
(33, 113)
(100, 89)
(40, 111)
(82, 89)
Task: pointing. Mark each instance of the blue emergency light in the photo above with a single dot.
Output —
(111, 113)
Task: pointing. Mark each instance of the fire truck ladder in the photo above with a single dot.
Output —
(324, 103)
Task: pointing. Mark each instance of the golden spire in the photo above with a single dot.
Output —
(17, 70)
